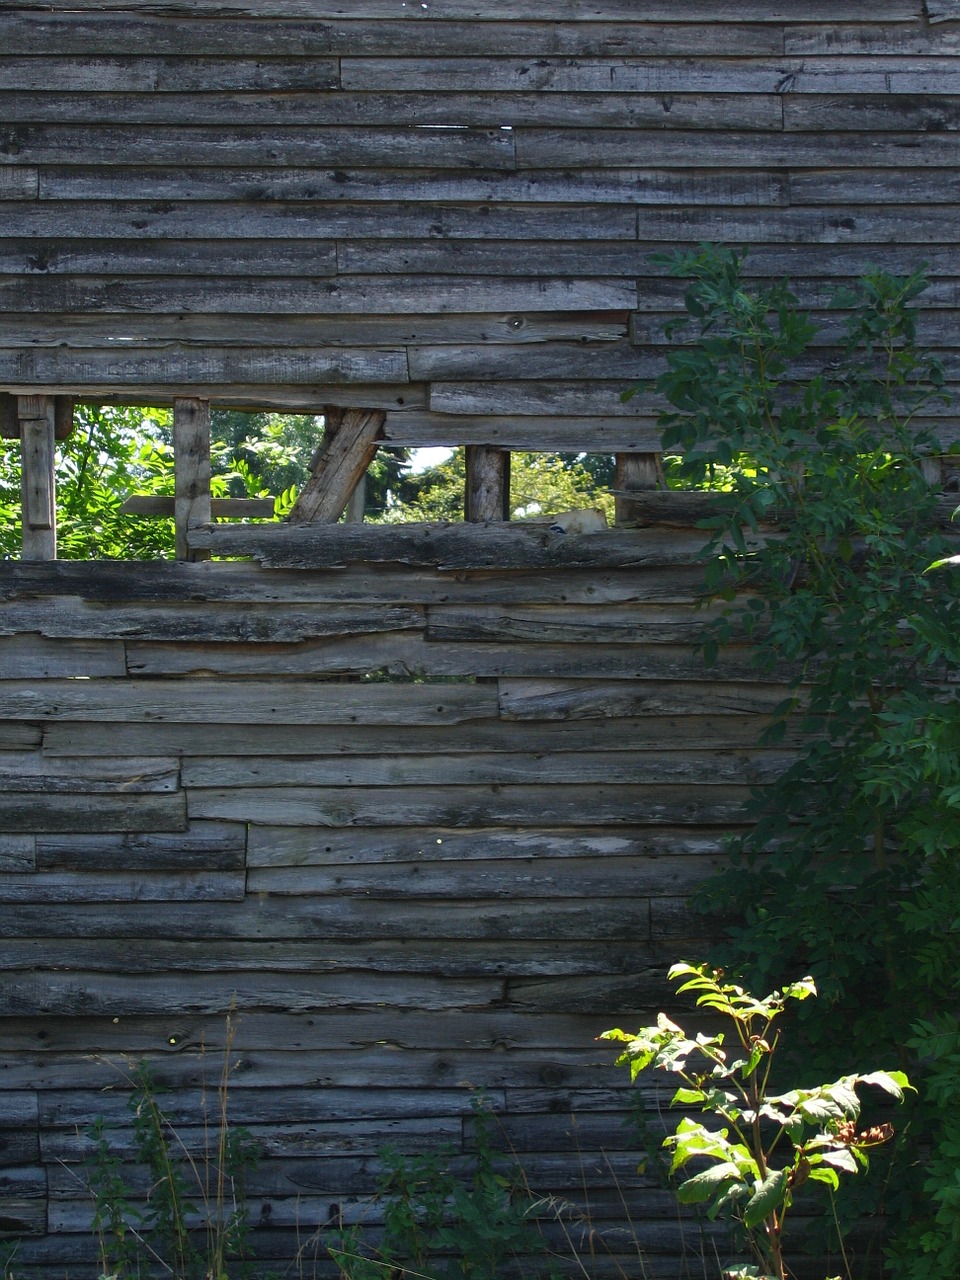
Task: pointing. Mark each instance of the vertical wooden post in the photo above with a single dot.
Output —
(36, 417)
(357, 503)
(487, 490)
(191, 467)
(635, 471)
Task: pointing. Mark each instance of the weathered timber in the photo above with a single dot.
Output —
(635, 473)
(191, 457)
(450, 546)
(540, 699)
(31, 772)
(350, 442)
(31, 656)
(17, 853)
(465, 806)
(91, 886)
(37, 421)
(696, 11)
(487, 490)
(534, 431)
(203, 846)
(263, 702)
(26, 811)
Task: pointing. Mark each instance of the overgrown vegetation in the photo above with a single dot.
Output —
(850, 871)
(192, 1224)
(772, 1145)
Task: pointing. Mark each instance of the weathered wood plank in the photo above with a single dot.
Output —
(242, 623)
(17, 853)
(482, 769)
(595, 732)
(262, 702)
(24, 811)
(566, 397)
(19, 182)
(833, 224)
(38, 483)
(220, 508)
(350, 442)
(487, 489)
(409, 658)
(168, 582)
(345, 848)
(872, 113)
(31, 772)
(554, 186)
(570, 624)
(91, 34)
(695, 11)
(563, 699)
(534, 431)
(145, 74)
(465, 806)
(17, 736)
(204, 846)
(191, 459)
(683, 110)
(502, 546)
(35, 657)
(62, 887)
(345, 295)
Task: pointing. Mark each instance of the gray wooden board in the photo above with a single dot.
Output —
(345, 295)
(167, 257)
(17, 853)
(89, 331)
(35, 657)
(483, 768)
(246, 623)
(592, 877)
(467, 806)
(598, 729)
(833, 224)
(361, 917)
(85, 885)
(545, 699)
(622, 185)
(314, 220)
(244, 366)
(24, 811)
(405, 658)
(262, 702)
(572, 624)
(682, 110)
(345, 848)
(502, 546)
(173, 583)
(529, 431)
(30, 771)
(140, 956)
(203, 847)
(17, 736)
(68, 994)
(58, 33)
(695, 11)
(151, 74)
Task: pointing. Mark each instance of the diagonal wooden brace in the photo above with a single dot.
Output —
(350, 441)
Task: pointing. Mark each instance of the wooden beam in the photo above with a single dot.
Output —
(636, 472)
(10, 423)
(358, 503)
(36, 416)
(351, 439)
(191, 461)
(487, 490)
(62, 416)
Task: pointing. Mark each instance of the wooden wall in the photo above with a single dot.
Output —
(421, 830)
(446, 209)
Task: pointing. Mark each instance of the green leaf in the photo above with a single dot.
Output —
(703, 1186)
(767, 1196)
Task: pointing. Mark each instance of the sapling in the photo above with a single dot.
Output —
(768, 1146)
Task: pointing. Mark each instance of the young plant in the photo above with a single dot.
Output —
(769, 1145)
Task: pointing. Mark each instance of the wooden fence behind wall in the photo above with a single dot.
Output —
(422, 831)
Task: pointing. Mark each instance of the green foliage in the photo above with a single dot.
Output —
(440, 1225)
(850, 870)
(193, 1224)
(769, 1145)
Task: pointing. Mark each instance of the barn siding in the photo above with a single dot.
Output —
(282, 795)
(444, 210)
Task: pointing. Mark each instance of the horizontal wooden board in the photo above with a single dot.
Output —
(833, 224)
(15, 735)
(35, 657)
(33, 255)
(23, 771)
(545, 699)
(623, 185)
(243, 623)
(465, 806)
(20, 182)
(23, 811)
(712, 111)
(150, 74)
(593, 731)
(115, 887)
(344, 848)
(504, 546)
(872, 112)
(533, 431)
(482, 768)
(252, 702)
(58, 33)
(202, 847)
(172, 583)
(346, 295)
